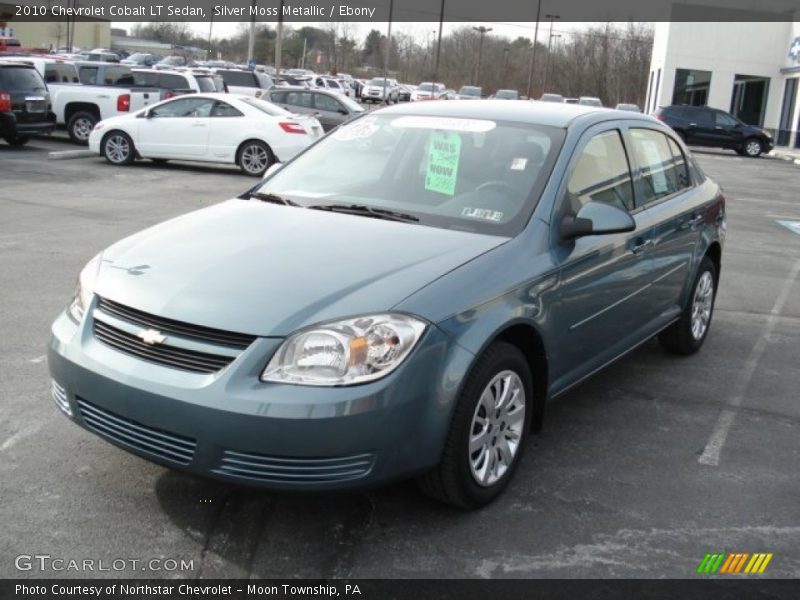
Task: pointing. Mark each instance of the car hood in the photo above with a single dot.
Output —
(265, 269)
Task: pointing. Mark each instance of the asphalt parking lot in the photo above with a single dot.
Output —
(639, 472)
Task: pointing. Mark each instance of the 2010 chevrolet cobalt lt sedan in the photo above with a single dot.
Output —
(399, 300)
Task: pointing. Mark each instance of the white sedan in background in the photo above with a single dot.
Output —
(222, 128)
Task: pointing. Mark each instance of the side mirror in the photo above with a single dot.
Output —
(596, 218)
(273, 168)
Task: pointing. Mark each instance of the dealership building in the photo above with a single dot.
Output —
(751, 70)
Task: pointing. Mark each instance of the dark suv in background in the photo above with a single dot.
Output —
(705, 126)
(24, 104)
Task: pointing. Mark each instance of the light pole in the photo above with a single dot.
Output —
(506, 50)
(482, 31)
(533, 53)
(549, 46)
(438, 44)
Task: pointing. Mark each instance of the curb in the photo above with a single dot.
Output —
(68, 154)
(793, 158)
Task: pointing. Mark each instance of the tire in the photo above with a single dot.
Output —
(80, 126)
(465, 479)
(117, 148)
(687, 334)
(17, 140)
(254, 158)
(753, 147)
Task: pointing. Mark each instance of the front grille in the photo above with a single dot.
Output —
(294, 470)
(162, 354)
(129, 433)
(170, 326)
(59, 395)
(177, 356)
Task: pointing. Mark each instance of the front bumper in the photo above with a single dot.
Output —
(231, 426)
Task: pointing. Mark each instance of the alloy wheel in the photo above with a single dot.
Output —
(82, 128)
(117, 149)
(753, 148)
(255, 159)
(702, 304)
(497, 428)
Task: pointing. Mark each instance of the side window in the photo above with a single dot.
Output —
(88, 75)
(681, 166)
(601, 174)
(173, 82)
(278, 97)
(324, 102)
(657, 165)
(724, 120)
(185, 107)
(703, 117)
(299, 99)
(223, 109)
(118, 76)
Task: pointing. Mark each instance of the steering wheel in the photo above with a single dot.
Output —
(500, 185)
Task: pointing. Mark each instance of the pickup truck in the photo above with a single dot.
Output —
(79, 107)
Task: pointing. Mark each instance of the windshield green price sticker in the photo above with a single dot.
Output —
(444, 151)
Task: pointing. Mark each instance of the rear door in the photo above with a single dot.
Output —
(176, 129)
(667, 195)
(601, 308)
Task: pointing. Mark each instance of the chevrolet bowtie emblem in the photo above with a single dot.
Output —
(151, 337)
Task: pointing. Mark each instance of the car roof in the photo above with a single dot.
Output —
(538, 113)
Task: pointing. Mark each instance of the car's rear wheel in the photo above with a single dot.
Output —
(488, 431)
(753, 147)
(254, 158)
(688, 333)
(17, 140)
(80, 126)
(117, 147)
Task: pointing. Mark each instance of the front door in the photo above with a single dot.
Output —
(176, 129)
(601, 304)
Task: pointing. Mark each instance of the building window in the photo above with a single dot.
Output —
(749, 98)
(691, 87)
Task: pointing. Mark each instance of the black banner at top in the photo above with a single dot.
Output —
(401, 10)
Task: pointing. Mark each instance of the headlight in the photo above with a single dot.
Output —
(345, 352)
(84, 289)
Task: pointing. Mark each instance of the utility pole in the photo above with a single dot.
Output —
(439, 44)
(210, 28)
(303, 60)
(482, 31)
(279, 41)
(251, 39)
(533, 53)
(549, 45)
(388, 50)
(506, 50)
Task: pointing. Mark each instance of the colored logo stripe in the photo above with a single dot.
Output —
(734, 562)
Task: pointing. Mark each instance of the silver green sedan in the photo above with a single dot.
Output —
(402, 299)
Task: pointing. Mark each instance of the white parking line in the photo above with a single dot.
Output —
(713, 449)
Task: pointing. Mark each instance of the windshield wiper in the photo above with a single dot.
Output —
(273, 198)
(367, 211)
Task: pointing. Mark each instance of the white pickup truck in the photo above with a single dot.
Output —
(79, 107)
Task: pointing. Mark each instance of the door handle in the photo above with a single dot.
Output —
(640, 245)
(692, 124)
(697, 220)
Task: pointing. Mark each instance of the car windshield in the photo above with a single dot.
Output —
(470, 90)
(378, 81)
(465, 174)
(426, 87)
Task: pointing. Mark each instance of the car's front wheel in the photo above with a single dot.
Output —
(688, 333)
(117, 148)
(254, 158)
(488, 431)
(753, 147)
